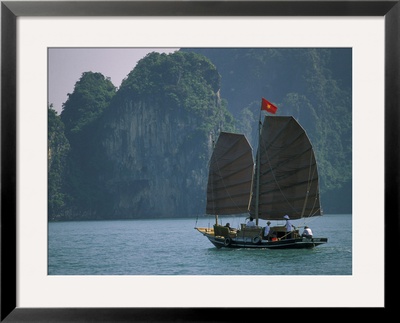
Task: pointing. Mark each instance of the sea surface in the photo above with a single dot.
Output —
(174, 247)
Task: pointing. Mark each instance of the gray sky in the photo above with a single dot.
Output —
(66, 65)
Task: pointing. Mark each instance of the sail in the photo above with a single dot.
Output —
(288, 172)
(230, 175)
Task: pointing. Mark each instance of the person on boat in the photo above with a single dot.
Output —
(250, 223)
(289, 227)
(267, 231)
(228, 225)
(307, 233)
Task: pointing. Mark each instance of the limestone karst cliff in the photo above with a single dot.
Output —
(158, 142)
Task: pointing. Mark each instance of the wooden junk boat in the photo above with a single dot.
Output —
(284, 183)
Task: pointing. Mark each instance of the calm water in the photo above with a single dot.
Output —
(174, 247)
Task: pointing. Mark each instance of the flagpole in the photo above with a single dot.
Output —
(258, 168)
(269, 108)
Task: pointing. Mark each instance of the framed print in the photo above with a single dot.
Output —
(29, 28)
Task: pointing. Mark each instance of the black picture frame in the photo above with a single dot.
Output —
(10, 10)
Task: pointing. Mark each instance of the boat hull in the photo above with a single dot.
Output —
(295, 243)
(299, 243)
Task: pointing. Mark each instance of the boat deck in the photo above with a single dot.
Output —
(251, 238)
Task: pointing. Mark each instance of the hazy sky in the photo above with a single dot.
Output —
(66, 66)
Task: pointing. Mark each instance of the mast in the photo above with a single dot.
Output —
(216, 214)
(258, 170)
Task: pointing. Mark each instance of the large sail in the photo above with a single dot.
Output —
(288, 172)
(230, 175)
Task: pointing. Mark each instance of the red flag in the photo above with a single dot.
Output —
(268, 106)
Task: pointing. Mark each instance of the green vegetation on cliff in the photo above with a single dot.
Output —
(183, 82)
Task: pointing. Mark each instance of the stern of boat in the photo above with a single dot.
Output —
(220, 236)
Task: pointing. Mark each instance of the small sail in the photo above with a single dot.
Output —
(288, 172)
(230, 175)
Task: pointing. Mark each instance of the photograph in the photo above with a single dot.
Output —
(187, 139)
